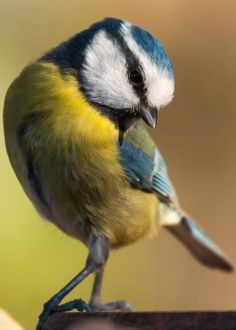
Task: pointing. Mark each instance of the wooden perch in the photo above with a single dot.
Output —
(143, 321)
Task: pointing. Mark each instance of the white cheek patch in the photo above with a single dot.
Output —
(105, 74)
(160, 87)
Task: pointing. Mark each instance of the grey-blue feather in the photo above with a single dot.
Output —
(146, 171)
(138, 166)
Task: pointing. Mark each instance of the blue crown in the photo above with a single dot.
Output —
(71, 52)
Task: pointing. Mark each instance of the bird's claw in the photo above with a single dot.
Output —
(52, 306)
(78, 304)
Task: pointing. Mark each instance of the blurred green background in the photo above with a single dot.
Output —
(196, 133)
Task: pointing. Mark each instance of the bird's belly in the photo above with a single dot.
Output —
(124, 220)
(102, 198)
(137, 217)
(93, 193)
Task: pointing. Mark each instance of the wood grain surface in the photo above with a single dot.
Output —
(143, 321)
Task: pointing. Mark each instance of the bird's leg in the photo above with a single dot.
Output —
(95, 300)
(97, 257)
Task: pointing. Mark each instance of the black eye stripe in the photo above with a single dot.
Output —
(133, 63)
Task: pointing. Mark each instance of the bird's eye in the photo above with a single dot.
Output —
(135, 77)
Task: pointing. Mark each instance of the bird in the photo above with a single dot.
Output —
(75, 125)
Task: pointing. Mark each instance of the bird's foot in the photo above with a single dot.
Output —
(121, 305)
(52, 306)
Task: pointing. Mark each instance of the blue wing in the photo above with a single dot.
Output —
(138, 166)
(146, 170)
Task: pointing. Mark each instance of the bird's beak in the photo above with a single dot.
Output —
(149, 115)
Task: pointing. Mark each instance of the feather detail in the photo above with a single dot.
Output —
(200, 245)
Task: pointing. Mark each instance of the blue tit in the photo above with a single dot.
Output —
(76, 139)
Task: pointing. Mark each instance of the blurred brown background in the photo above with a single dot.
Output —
(196, 133)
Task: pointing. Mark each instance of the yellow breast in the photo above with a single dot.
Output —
(75, 149)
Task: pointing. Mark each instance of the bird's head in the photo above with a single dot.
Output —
(121, 69)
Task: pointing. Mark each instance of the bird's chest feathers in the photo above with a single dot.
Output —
(85, 141)
(75, 159)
